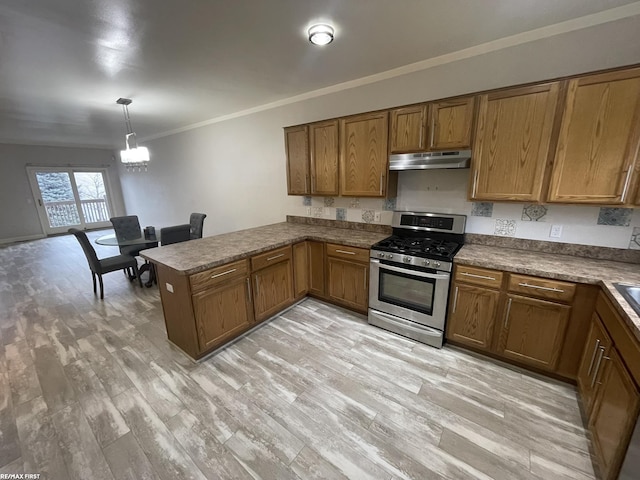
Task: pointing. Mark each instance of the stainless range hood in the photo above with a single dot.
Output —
(430, 160)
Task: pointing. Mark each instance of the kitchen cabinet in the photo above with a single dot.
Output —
(316, 268)
(532, 331)
(324, 153)
(300, 269)
(598, 141)
(348, 276)
(442, 125)
(407, 132)
(474, 306)
(363, 155)
(222, 312)
(614, 415)
(450, 123)
(297, 148)
(608, 383)
(272, 280)
(512, 143)
(597, 347)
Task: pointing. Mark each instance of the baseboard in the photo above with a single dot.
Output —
(26, 238)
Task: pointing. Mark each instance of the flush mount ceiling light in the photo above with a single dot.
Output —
(132, 156)
(321, 34)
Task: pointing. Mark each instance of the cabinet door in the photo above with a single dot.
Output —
(316, 268)
(511, 144)
(450, 123)
(614, 415)
(533, 331)
(348, 283)
(300, 270)
(296, 144)
(408, 129)
(273, 289)
(323, 141)
(222, 313)
(598, 140)
(596, 348)
(473, 313)
(363, 155)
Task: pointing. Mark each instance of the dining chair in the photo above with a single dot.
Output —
(128, 228)
(196, 221)
(175, 234)
(105, 265)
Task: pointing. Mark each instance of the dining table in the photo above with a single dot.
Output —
(148, 241)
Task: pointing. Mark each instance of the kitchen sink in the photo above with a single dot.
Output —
(631, 293)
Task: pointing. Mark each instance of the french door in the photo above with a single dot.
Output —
(71, 197)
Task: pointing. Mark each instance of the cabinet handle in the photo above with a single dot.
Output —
(223, 273)
(597, 369)
(476, 276)
(506, 318)
(593, 356)
(604, 358)
(346, 252)
(626, 185)
(548, 289)
(433, 130)
(475, 183)
(274, 257)
(249, 291)
(381, 182)
(455, 301)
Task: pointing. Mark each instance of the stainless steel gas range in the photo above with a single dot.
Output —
(411, 272)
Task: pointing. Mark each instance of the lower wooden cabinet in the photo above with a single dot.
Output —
(532, 331)
(472, 317)
(316, 268)
(614, 415)
(348, 276)
(223, 312)
(596, 348)
(300, 269)
(272, 282)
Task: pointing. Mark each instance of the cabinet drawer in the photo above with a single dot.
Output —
(542, 287)
(215, 276)
(479, 276)
(348, 253)
(270, 258)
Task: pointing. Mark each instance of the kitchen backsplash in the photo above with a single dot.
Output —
(446, 191)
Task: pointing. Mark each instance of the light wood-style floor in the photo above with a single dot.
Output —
(91, 389)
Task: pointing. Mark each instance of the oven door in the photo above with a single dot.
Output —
(415, 295)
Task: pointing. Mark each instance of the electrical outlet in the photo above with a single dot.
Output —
(376, 217)
(556, 231)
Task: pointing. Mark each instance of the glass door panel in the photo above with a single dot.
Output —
(93, 197)
(58, 199)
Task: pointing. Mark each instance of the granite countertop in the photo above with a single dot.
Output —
(560, 267)
(195, 256)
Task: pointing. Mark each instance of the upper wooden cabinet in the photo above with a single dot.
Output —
(598, 141)
(407, 133)
(511, 144)
(450, 123)
(323, 145)
(434, 126)
(363, 155)
(297, 147)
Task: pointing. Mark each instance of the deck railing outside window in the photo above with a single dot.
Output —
(66, 213)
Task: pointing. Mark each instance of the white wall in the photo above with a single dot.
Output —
(235, 170)
(18, 215)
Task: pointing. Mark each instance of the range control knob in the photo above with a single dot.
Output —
(406, 259)
(389, 255)
(436, 264)
(381, 255)
(426, 262)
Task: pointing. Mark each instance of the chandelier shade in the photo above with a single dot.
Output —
(133, 156)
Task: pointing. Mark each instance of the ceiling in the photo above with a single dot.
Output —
(63, 63)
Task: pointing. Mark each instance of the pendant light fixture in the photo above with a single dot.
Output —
(132, 156)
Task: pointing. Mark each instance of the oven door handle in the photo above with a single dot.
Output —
(412, 272)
